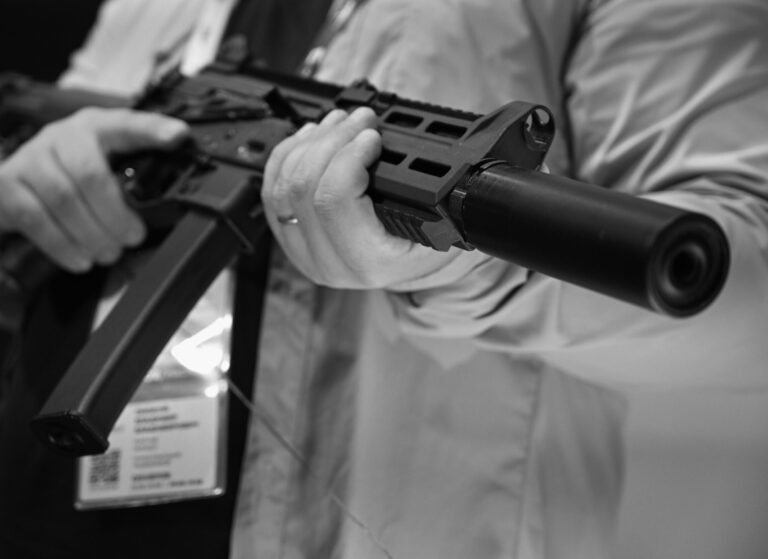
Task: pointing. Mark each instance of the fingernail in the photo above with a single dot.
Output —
(79, 265)
(361, 113)
(172, 130)
(135, 235)
(108, 257)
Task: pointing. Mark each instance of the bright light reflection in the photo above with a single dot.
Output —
(198, 355)
(215, 388)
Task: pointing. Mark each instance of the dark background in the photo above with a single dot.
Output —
(37, 37)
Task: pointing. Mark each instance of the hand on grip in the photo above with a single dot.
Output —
(58, 189)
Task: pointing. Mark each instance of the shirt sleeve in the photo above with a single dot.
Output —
(132, 42)
(664, 99)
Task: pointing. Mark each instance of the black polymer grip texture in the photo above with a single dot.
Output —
(659, 257)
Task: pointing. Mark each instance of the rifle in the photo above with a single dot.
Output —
(445, 178)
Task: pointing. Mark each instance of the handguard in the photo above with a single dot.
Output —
(445, 178)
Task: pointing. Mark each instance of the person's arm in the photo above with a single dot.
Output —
(58, 189)
(131, 44)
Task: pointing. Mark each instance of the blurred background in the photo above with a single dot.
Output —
(37, 36)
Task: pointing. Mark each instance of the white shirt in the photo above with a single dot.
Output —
(479, 425)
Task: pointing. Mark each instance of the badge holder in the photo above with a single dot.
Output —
(170, 442)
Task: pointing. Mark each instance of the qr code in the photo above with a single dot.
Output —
(105, 470)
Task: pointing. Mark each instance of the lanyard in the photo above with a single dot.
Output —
(206, 36)
(338, 17)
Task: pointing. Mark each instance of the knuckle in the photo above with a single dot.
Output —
(61, 201)
(24, 218)
(327, 146)
(87, 168)
(296, 180)
(300, 186)
(92, 177)
(289, 191)
(280, 193)
(326, 202)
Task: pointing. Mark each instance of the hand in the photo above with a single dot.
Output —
(58, 189)
(315, 200)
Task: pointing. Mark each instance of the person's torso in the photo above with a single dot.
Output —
(436, 448)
